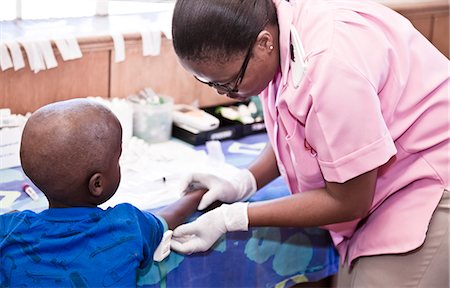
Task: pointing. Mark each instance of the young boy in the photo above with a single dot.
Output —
(71, 150)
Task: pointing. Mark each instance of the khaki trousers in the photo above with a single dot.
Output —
(426, 266)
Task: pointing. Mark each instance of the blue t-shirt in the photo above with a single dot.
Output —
(77, 247)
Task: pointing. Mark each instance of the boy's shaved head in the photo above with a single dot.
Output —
(65, 143)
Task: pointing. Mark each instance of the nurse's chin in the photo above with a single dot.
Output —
(238, 97)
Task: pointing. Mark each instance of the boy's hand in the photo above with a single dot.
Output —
(241, 185)
(194, 186)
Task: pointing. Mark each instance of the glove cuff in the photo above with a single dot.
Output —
(235, 216)
(248, 183)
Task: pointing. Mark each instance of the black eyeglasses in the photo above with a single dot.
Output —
(227, 88)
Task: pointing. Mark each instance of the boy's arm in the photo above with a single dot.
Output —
(177, 212)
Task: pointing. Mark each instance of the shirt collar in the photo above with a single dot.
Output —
(69, 214)
(285, 17)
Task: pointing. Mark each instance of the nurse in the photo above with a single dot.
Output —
(356, 105)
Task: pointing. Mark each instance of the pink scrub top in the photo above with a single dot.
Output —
(375, 94)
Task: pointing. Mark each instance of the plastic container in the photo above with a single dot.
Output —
(152, 122)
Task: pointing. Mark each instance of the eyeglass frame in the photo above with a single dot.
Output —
(237, 81)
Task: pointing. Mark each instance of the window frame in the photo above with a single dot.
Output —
(101, 7)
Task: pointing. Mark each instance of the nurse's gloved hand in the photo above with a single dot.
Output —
(238, 186)
(201, 234)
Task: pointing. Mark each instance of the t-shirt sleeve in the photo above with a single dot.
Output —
(345, 125)
(152, 229)
(163, 222)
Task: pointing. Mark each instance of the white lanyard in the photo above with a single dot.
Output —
(298, 63)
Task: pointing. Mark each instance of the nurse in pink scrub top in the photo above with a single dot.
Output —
(356, 105)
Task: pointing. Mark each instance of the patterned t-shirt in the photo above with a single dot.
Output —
(77, 247)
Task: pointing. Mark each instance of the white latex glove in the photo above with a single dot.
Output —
(238, 186)
(201, 234)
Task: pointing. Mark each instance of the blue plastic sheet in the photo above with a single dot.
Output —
(260, 257)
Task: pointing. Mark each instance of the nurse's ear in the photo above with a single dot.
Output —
(267, 42)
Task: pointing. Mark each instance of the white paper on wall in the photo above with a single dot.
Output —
(46, 50)
(5, 58)
(35, 58)
(16, 54)
(68, 48)
(119, 47)
(151, 42)
(74, 48)
(63, 48)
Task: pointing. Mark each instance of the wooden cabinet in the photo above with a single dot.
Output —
(430, 17)
(440, 32)
(25, 91)
(162, 73)
(97, 74)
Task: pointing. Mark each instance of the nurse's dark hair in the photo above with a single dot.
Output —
(203, 30)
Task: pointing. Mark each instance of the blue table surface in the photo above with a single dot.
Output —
(260, 257)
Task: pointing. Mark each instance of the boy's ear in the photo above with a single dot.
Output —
(96, 184)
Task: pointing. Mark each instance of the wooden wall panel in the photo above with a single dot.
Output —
(423, 23)
(440, 36)
(406, 6)
(163, 73)
(25, 91)
(430, 17)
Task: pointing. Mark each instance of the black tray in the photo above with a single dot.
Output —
(228, 129)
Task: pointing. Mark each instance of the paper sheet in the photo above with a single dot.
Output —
(151, 42)
(5, 58)
(145, 165)
(35, 58)
(16, 54)
(68, 48)
(46, 50)
(119, 47)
